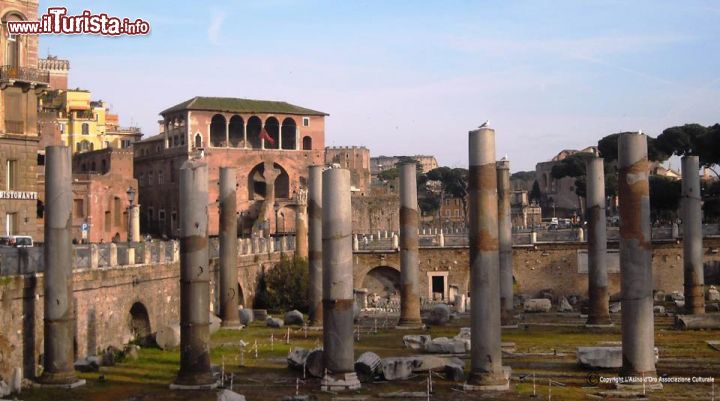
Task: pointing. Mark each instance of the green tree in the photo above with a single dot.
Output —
(664, 197)
(535, 194)
(287, 285)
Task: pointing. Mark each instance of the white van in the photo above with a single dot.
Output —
(17, 241)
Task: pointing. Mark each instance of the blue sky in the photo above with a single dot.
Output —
(412, 77)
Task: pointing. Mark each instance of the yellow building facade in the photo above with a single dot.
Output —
(85, 124)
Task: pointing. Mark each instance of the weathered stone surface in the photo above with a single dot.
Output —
(368, 366)
(397, 368)
(215, 323)
(294, 317)
(274, 322)
(439, 315)
(713, 294)
(314, 363)
(91, 364)
(460, 301)
(132, 352)
(602, 357)
(424, 363)
(110, 356)
(416, 341)
(4, 389)
(227, 395)
(454, 372)
(297, 357)
(675, 296)
(16, 381)
(564, 305)
(547, 293)
(168, 337)
(537, 305)
(260, 314)
(444, 345)
(246, 316)
(615, 307)
(658, 296)
(658, 309)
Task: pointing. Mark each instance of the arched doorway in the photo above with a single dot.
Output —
(257, 184)
(272, 127)
(240, 295)
(236, 132)
(289, 129)
(254, 126)
(217, 131)
(140, 324)
(383, 281)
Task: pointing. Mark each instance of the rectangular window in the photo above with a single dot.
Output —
(306, 121)
(161, 215)
(141, 179)
(161, 178)
(78, 208)
(107, 221)
(117, 211)
(11, 177)
(151, 215)
(11, 224)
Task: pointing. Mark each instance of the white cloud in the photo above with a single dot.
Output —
(216, 21)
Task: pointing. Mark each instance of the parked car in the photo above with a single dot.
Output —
(17, 241)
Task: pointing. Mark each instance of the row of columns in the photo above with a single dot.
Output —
(298, 144)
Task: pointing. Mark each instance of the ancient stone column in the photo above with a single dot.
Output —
(301, 225)
(315, 246)
(228, 249)
(692, 236)
(598, 313)
(409, 285)
(636, 283)
(59, 320)
(194, 279)
(486, 371)
(505, 240)
(338, 296)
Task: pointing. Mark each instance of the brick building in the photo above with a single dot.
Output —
(270, 143)
(20, 83)
(357, 160)
(558, 195)
(382, 163)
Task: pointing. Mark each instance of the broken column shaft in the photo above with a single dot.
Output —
(301, 226)
(505, 240)
(598, 313)
(692, 236)
(337, 282)
(409, 286)
(228, 249)
(636, 283)
(315, 241)
(59, 321)
(194, 279)
(486, 371)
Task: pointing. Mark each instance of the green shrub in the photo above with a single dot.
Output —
(287, 285)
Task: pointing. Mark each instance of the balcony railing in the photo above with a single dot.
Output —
(23, 74)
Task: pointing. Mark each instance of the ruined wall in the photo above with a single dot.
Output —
(536, 268)
(103, 299)
(373, 213)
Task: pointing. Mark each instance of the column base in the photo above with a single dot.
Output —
(231, 324)
(410, 325)
(340, 382)
(210, 386)
(75, 384)
(598, 321)
(483, 381)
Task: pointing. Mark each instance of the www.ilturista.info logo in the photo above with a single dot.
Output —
(56, 21)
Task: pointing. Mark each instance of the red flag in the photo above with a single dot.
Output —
(264, 135)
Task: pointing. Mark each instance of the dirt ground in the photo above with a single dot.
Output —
(543, 364)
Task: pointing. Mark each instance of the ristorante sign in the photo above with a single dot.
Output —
(18, 195)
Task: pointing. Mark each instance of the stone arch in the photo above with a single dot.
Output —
(382, 280)
(307, 143)
(140, 323)
(257, 184)
(289, 128)
(217, 131)
(240, 294)
(254, 126)
(236, 132)
(272, 127)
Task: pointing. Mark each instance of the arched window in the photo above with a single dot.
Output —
(254, 126)
(86, 129)
(289, 129)
(307, 143)
(217, 131)
(272, 127)
(236, 132)
(12, 42)
(198, 141)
